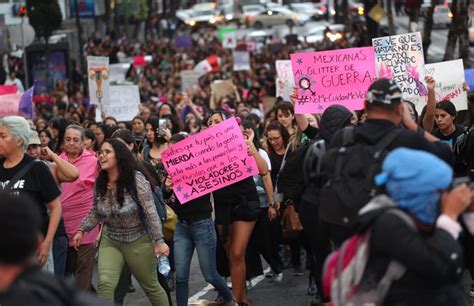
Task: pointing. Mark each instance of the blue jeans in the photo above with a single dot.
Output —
(202, 236)
(60, 247)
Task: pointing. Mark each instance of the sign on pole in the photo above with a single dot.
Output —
(98, 76)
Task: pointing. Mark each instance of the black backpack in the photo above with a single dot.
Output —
(349, 173)
(312, 171)
(464, 149)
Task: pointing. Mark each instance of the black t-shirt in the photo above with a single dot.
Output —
(451, 138)
(194, 210)
(276, 160)
(38, 184)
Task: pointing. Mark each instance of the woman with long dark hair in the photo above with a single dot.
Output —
(156, 143)
(237, 210)
(132, 228)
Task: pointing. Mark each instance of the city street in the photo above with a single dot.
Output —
(292, 291)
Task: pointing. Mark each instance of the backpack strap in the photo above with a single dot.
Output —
(379, 149)
(386, 141)
(348, 135)
(348, 139)
(20, 174)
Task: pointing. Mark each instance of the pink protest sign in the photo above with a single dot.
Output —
(332, 77)
(10, 104)
(208, 161)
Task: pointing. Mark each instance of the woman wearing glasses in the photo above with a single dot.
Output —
(131, 234)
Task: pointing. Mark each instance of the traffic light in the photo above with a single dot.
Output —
(22, 12)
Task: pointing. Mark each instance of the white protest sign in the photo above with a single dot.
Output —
(400, 57)
(449, 77)
(285, 80)
(124, 102)
(117, 72)
(98, 76)
(189, 79)
(241, 60)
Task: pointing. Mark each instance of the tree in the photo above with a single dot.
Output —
(459, 30)
(45, 17)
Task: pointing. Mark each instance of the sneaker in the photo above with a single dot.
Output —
(312, 289)
(278, 278)
(316, 300)
(171, 283)
(249, 284)
(269, 275)
(297, 271)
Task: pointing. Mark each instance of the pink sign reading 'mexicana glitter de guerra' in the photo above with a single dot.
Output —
(208, 161)
(332, 77)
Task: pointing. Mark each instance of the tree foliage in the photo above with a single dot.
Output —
(45, 16)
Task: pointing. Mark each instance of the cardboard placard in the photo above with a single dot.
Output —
(332, 77)
(208, 161)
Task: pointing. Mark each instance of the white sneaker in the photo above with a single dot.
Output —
(277, 278)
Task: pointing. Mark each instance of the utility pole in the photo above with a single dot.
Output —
(79, 36)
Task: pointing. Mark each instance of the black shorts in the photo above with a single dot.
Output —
(243, 210)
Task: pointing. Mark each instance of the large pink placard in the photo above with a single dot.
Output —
(208, 161)
(332, 77)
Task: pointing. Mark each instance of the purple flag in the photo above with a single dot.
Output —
(26, 102)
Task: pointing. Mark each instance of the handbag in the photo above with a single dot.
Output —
(290, 222)
(169, 225)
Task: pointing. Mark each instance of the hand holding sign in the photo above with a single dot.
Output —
(208, 161)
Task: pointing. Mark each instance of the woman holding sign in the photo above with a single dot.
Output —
(237, 209)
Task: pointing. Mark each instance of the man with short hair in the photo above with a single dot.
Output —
(77, 199)
(21, 281)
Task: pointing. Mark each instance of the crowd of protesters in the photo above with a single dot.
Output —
(94, 189)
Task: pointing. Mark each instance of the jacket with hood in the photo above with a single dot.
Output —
(433, 261)
(374, 130)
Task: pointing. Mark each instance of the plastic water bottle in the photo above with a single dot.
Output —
(164, 265)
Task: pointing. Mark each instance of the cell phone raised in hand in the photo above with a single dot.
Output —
(162, 125)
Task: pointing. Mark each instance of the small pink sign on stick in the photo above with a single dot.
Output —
(332, 77)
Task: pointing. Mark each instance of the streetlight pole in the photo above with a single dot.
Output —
(25, 59)
(79, 35)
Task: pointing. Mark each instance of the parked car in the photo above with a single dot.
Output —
(249, 11)
(316, 33)
(442, 16)
(277, 16)
(197, 18)
(308, 8)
